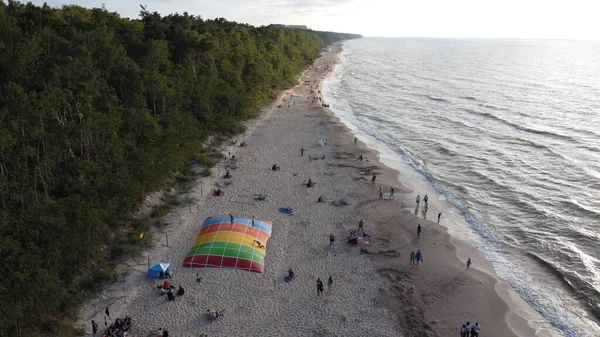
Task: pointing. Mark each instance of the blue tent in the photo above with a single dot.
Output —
(156, 269)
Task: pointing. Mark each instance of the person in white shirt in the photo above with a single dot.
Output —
(463, 330)
(418, 199)
(476, 327)
(468, 329)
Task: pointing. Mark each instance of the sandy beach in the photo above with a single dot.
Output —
(375, 292)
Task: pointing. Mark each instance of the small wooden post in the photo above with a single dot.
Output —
(167, 235)
(148, 261)
(190, 206)
(201, 195)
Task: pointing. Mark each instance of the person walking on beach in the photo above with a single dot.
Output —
(107, 312)
(331, 240)
(419, 231)
(319, 287)
(392, 193)
(439, 216)
(468, 263)
(467, 329)
(412, 258)
(418, 199)
(230, 218)
(380, 192)
(476, 329)
(463, 331)
(252, 221)
(361, 223)
(329, 283)
(426, 199)
(355, 140)
(94, 327)
(302, 151)
(419, 256)
(374, 177)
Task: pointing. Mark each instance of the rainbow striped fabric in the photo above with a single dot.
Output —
(238, 244)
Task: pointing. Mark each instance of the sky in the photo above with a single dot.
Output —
(541, 19)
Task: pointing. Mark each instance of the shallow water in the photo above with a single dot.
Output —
(508, 132)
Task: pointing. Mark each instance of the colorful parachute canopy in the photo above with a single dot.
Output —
(226, 244)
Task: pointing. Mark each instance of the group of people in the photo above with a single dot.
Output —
(468, 330)
(381, 192)
(320, 287)
(415, 258)
(119, 328)
(167, 287)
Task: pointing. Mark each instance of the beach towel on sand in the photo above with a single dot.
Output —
(285, 210)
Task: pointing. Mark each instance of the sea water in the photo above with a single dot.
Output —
(507, 132)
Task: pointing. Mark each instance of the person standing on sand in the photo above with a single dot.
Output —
(426, 199)
(159, 333)
(418, 199)
(252, 221)
(468, 263)
(361, 223)
(94, 327)
(463, 330)
(319, 287)
(329, 283)
(380, 192)
(392, 193)
(107, 312)
(419, 231)
(439, 216)
(355, 140)
(419, 256)
(412, 258)
(476, 327)
(467, 329)
(374, 177)
(331, 240)
(302, 151)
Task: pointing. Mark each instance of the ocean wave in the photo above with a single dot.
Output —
(490, 106)
(549, 267)
(469, 98)
(437, 99)
(573, 207)
(520, 127)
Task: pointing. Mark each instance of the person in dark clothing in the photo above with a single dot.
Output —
(180, 291)
(319, 287)
(107, 312)
(170, 295)
(329, 282)
(94, 328)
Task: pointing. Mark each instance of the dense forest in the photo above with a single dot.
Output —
(97, 111)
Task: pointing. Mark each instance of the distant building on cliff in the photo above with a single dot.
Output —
(301, 27)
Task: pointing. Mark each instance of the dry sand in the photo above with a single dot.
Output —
(375, 292)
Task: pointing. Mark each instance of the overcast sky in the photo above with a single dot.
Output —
(554, 19)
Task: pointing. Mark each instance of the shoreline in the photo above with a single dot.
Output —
(369, 273)
(519, 315)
